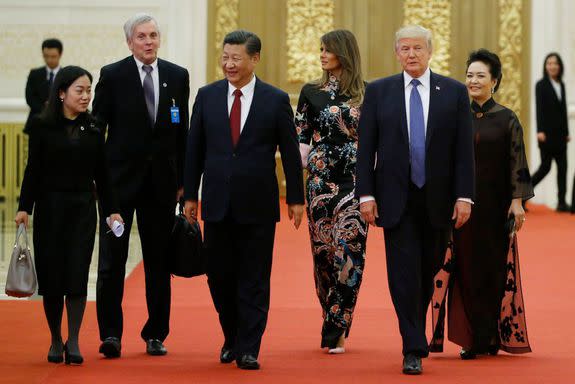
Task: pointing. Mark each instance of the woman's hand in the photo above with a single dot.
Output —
(516, 209)
(115, 217)
(21, 217)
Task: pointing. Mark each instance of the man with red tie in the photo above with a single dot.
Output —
(236, 127)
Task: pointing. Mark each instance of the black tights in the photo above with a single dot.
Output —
(54, 308)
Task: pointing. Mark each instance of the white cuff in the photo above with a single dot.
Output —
(365, 199)
(465, 199)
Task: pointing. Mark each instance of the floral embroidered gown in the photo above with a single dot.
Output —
(480, 276)
(326, 121)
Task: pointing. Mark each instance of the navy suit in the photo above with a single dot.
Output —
(145, 161)
(416, 221)
(240, 201)
(37, 92)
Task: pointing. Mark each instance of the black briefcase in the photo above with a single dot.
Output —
(187, 256)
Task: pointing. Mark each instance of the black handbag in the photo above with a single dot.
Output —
(187, 256)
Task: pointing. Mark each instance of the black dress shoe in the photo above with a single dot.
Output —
(55, 355)
(248, 362)
(154, 347)
(111, 347)
(493, 350)
(227, 355)
(563, 207)
(412, 364)
(467, 354)
(70, 358)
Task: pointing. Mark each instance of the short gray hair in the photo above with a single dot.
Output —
(411, 32)
(137, 19)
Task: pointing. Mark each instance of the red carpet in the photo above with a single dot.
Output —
(290, 351)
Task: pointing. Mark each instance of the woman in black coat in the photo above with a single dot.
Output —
(552, 128)
(65, 159)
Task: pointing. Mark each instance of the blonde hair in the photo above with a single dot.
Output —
(343, 44)
(413, 31)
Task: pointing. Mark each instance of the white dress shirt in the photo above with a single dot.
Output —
(246, 99)
(155, 79)
(557, 87)
(48, 70)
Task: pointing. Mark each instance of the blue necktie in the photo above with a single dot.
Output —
(416, 136)
(51, 78)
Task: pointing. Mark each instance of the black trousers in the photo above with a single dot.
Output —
(239, 269)
(155, 217)
(560, 157)
(414, 251)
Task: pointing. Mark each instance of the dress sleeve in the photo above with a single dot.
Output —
(106, 194)
(521, 186)
(30, 184)
(303, 129)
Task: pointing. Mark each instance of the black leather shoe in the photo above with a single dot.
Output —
(563, 207)
(111, 347)
(70, 358)
(467, 354)
(412, 365)
(227, 355)
(248, 362)
(493, 350)
(55, 354)
(154, 347)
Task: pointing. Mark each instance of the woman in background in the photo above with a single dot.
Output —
(326, 120)
(65, 158)
(552, 127)
(480, 277)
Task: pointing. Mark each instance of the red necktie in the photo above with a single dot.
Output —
(236, 117)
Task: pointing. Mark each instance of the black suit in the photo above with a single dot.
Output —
(146, 166)
(552, 120)
(416, 221)
(240, 201)
(37, 92)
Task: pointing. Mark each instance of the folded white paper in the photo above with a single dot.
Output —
(117, 227)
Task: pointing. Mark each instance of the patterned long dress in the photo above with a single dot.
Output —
(480, 280)
(326, 121)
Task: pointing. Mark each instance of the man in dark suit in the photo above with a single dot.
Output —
(237, 125)
(552, 126)
(415, 174)
(40, 79)
(144, 102)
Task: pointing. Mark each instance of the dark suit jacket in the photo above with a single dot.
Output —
(134, 146)
(37, 92)
(449, 149)
(551, 115)
(241, 183)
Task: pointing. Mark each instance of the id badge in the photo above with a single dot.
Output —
(175, 113)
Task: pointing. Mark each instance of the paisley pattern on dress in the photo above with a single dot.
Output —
(326, 121)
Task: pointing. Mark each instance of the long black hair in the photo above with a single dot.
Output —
(559, 61)
(63, 80)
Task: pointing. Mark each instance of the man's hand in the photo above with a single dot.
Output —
(295, 212)
(191, 211)
(368, 211)
(461, 213)
(541, 137)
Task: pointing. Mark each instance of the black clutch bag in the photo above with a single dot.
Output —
(187, 256)
(510, 223)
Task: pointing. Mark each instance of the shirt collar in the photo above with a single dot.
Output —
(55, 70)
(249, 87)
(425, 79)
(154, 65)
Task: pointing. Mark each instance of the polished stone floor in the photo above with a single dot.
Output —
(8, 234)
